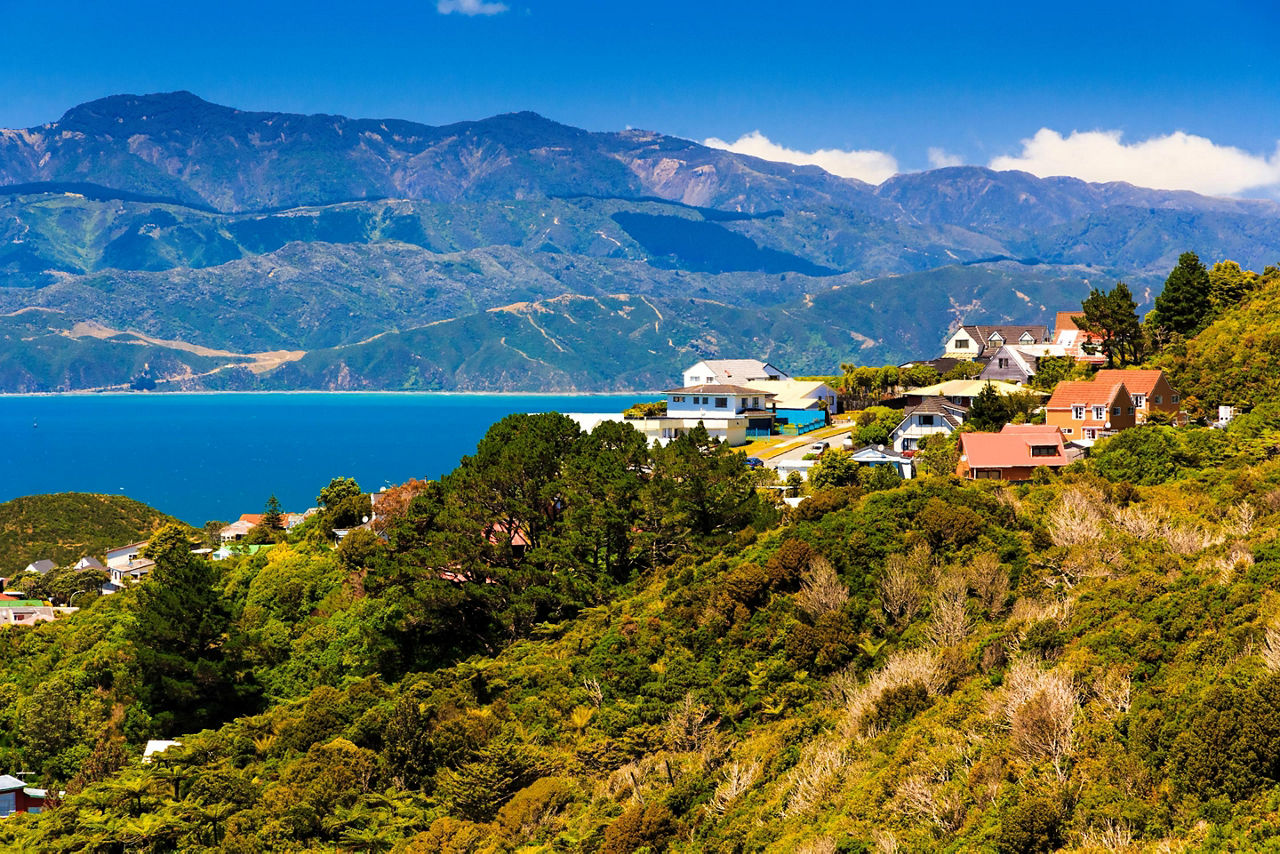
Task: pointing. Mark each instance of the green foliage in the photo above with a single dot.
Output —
(964, 370)
(646, 409)
(1231, 744)
(342, 504)
(1112, 316)
(641, 828)
(836, 469)
(1185, 304)
(1034, 825)
(69, 525)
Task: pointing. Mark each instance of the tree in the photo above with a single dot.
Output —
(1184, 305)
(179, 629)
(937, 455)
(836, 468)
(271, 515)
(990, 410)
(343, 503)
(1112, 317)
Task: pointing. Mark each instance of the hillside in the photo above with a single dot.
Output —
(226, 233)
(1075, 664)
(69, 525)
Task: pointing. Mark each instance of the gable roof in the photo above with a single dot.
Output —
(8, 783)
(738, 370)
(1007, 334)
(1084, 392)
(952, 413)
(793, 394)
(88, 562)
(1011, 448)
(1136, 380)
(43, 567)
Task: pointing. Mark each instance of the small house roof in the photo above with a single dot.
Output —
(9, 783)
(1011, 448)
(1136, 380)
(738, 370)
(717, 389)
(952, 413)
(968, 388)
(1084, 393)
(43, 566)
(88, 562)
(136, 545)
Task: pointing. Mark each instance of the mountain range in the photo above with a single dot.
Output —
(161, 241)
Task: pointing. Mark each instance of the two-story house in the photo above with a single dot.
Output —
(930, 417)
(1149, 388)
(1076, 342)
(1019, 363)
(732, 372)
(726, 412)
(1088, 410)
(981, 342)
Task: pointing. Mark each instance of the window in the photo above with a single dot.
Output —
(1077, 412)
(1174, 398)
(1067, 431)
(1099, 413)
(1044, 450)
(996, 338)
(961, 344)
(1157, 399)
(926, 420)
(908, 444)
(1026, 338)
(679, 398)
(1090, 433)
(1002, 362)
(755, 403)
(1130, 410)
(722, 402)
(986, 474)
(1139, 400)
(8, 803)
(1115, 410)
(704, 400)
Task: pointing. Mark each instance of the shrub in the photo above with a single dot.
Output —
(1231, 743)
(640, 827)
(1031, 826)
(944, 524)
(532, 805)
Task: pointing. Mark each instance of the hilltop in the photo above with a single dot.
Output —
(206, 236)
(69, 525)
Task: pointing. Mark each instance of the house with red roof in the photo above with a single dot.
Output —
(1088, 410)
(1149, 388)
(1076, 342)
(1013, 454)
(17, 796)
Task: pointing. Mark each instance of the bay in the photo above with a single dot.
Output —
(201, 457)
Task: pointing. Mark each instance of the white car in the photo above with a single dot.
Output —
(819, 447)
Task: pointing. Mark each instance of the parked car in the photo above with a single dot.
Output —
(819, 447)
(754, 462)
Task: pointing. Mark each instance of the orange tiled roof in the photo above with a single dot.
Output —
(1088, 393)
(1137, 381)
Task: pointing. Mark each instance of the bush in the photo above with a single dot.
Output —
(1231, 743)
(945, 524)
(531, 805)
(640, 827)
(1146, 455)
(1032, 826)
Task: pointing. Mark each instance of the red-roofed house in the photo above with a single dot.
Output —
(1148, 387)
(1012, 454)
(1066, 334)
(1090, 410)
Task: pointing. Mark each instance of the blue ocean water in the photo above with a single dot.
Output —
(214, 456)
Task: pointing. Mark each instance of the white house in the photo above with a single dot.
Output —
(126, 565)
(732, 372)
(125, 555)
(932, 416)
(727, 412)
(235, 531)
(976, 342)
(44, 567)
(879, 455)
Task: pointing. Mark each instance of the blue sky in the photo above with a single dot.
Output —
(1182, 93)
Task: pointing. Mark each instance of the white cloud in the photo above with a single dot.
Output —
(940, 158)
(870, 166)
(1178, 161)
(470, 7)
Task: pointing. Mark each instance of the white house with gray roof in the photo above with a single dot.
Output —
(732, 372)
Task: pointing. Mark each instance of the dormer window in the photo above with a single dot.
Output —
(996, 338)
(1026, 338)
(1099, 413)
(1044, 450)
(1077, 412)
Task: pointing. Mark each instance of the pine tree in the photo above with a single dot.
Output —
(1112, 318)
(271, 515)
(1184, 305)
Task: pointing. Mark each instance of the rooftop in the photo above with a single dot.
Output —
(1084, 393)
(967, 388)
(1136, 380)
(1011, 448)
(709, 388)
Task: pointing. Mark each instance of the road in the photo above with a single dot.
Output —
(803, 445)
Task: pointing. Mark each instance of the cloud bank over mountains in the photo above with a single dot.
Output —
(1175, 161)
(873, 167)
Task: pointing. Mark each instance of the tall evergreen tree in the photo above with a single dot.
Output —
(271, 515)
(179, 632)
(1184, 306)
(1112, 317)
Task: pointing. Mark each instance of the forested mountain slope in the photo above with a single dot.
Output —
(216, 229)
(1074, 664)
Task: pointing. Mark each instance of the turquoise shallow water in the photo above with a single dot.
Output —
(215, 456)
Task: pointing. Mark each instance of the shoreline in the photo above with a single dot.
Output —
(52, 394)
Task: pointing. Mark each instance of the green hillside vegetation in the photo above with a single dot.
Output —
(69, 525)
(663, 661)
